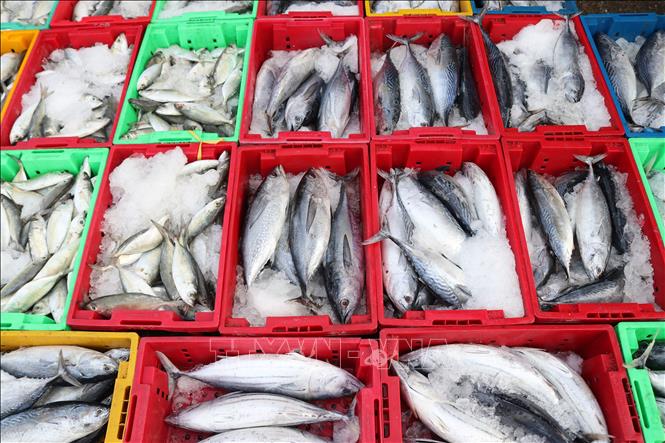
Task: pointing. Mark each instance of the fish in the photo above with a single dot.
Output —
(399, 281)
(619, 70)
(617, 217)
(543, 73)
(566, 62)
(143, 241)
(553, 217)
(593, 228)
(267, 434)
(302, 108)
(650, 354)
(446, 189)
(265, 82)
(202, 113)
(67, 421)
(264, 222)
(185, 276)
(246, 410)
(58, 225)
(486, 202)
(290, 374)
(204, 218)
(105, 305)
(343, 263)
(10, 61)
(649, 113)
(649, 62)
(166, 261)
(500, 73)
(310, 227)
(11, 222)
(30, 293)
(57, 299)
(467, 96)
(83, 364)
(337, 100)
(605, 290)
(387, 104)
(93, 392)
(415, 87)
(443, 71)
(443, 277)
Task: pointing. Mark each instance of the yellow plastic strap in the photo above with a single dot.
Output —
(199, 153)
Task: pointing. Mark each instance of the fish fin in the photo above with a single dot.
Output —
(640, 361)
(409, 226)
(380, 236)
(477, 19)
(405, 40)
(651, 161)
(311, 213)
(346, 253)
(63, 374)
(173, 372)
(351, 175)
(384, 175)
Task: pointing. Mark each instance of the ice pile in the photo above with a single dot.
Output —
(335, 7)
(176, 8)
(274, 293)
(167, 190)
(77, 93)
(383, 6)
(464, 214)
(26, 12)
(124, 8)
(456, 118)
(309, 90)
(530, 57)
(550, 5)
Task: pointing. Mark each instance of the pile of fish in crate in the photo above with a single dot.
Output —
(331, 221)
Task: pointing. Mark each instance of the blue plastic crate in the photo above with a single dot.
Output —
(628, 26)
(569, 7)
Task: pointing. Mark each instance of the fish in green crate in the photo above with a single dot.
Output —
(165, 256)
(123, 8)
(42, 221)
(188, 90)
(26, 12)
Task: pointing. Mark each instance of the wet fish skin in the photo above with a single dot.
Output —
(617, 217)
(551, 212)
(202, 113)
(620, 71)
(105, 305)
(606, 290)
(60, 422)
(387, 107)
(58, 225)
(204, 218)
(302, 108)
(143, 241)
(649, 61)
(35, 129)
(11, 222)
(443, 71)
(310, 226)
(486, 202)
(443, 187)
(343, 262)
(61, 261)
(290, 374)
(566, 59)
(184, 274)
(89, 393)
(264, 223)
(266, 434)
(337, 99)
(56, 299)
(467, 98)
(239, 410)
(30, 293)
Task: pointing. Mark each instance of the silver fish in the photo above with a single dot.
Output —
(449, 192)
(620, 70)
(143, 241)
(291, 374)
(566, 62)
(204, 218)
(302, 108)
(10, 215)
(265, 82)
(184, 274)
(443, 72)
(650, 61)
(337, 100)
(58, 225)
(239, 411)
(469, 103)
(105, 305)
(344, 259)
(61, 261)
(42, 181)
(148, 76)
(310, 226)
(415, 87)
(37, 239)
(268, 434)
(57, 299)
(203, 114)
(264, 223)
(30, 293)
(89, 392)
(484, 198)
(387, 105)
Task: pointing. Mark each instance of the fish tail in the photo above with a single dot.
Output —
(405, 40)
(567, 17)
(173, 372)
(63, 374)
(640, 362)
(590, 159)
(383, 234)
(477, 19)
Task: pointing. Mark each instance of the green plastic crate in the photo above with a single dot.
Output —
(41, 161)
(643, 150)
(15, 25)
(630, 335)
(159, 5)
(207, 33)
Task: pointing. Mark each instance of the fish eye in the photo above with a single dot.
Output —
(345, 303)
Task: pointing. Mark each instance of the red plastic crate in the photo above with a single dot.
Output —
(555, 156)
(427, 156)
(340, 159)
(47, 42)
(62, 17)
(149, 403)
(263, 7)
(502, 27)
(298, 34)
(459, 31)
(596, 344)
(130, 320)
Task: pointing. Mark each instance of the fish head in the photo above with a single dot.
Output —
(347, 304)
(97, 366)
(573, 87)
(295, 115)
(90, 416)
(341, 384)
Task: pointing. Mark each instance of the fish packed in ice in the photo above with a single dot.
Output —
(162, 236)
(650, 357)
(542, 76)
(26, 12)
(437, 230)
(469, 392)
(656, 178)
(76, 94)
(585, 241)
(10, 62)
(315, 89)
(418, 86)
(637, 75)
(97, 8)
(301, 248)
(43, 216)
(335, 7)
(176, 8)
(550, 5)
(383, 6)
(271, 397)
(57, 393)
(189, 90)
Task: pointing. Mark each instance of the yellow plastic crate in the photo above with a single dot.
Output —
(16, 41)
(464, 6)
(101, 341)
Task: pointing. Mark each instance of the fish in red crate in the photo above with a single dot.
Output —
(126, 9)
